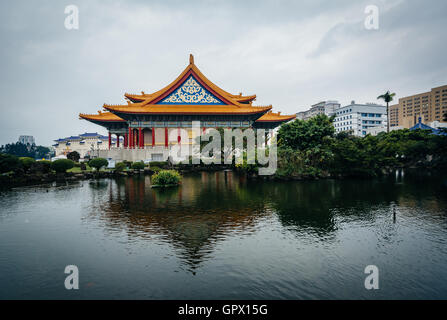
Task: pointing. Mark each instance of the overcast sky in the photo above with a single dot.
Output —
(290, 53)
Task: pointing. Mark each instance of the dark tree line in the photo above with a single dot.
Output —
(26, 150)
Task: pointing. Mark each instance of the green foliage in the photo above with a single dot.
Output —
(62, 165)
(155, 169)
(302, 135)
(387, 97)
(74, 156)
(161, 164)
(128, 164)
(25, 150)
(138, 165)
(166, 178)
(43, 166)
(120, 166)
(9, 163)
(27, 162)
(98, 163)
(310, 149)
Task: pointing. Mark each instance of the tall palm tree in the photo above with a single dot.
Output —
(387, 97)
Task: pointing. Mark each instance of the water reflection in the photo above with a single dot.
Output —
(194, 217)
(210, 207)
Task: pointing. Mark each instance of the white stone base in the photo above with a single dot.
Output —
(146, 155)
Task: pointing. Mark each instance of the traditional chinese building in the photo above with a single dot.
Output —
(148, 120)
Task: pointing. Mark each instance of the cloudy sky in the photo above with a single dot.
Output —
(290, 53)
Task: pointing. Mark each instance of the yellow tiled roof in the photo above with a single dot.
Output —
(275, 117)
(186, 109)
(101, 116)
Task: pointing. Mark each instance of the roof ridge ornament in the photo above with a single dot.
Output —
(191, 59)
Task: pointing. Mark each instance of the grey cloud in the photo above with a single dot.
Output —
(290, 53)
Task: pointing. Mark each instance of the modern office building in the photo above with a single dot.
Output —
(429, 106)
(361, 119)
(325, 107)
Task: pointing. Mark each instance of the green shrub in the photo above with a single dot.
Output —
(160, 164)
(43, 166)
(98, 163)
(138, 165)
(83, 166)
(128, 164)
(9, 163)
(166, 178)
(74, 155)
(27, 162)
(62, 165)
(155, 169)
(120, 166)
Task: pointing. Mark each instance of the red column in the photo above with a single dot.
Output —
(125, 140)
(110, 139)
(153, 137)
(179, 137)
(166, 137)
(140, 139)
(204, 130)
(117, 140)
(129, 142)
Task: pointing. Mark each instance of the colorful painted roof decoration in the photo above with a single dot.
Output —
(191, 93)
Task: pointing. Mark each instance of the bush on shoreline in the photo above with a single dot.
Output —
(120, 166)
(98, 163)
(138, 165)
(166, 178)
(62, 165)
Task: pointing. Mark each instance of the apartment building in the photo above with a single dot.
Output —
(429, 106)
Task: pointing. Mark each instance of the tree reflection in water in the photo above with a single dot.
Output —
(209, 207)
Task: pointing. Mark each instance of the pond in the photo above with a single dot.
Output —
(222, 236)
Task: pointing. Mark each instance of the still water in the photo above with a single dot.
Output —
(221, 236)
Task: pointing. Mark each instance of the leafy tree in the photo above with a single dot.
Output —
(9, 163)
(62, 165)
(43, 166)
(120, 166)
(138, 165)
(445, 117)
(26, 150)
(387, 97)
(302, 135)
(74, 156)
(27, 162)
(98, 163)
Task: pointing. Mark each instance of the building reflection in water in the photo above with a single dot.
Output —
(193, 217)
(210, 207)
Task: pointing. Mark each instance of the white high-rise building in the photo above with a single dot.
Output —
(325, 107)
(27, 140)
(361, 119)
